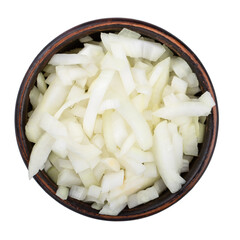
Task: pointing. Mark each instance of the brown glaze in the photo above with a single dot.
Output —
(68, 38)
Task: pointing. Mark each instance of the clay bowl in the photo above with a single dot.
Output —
(69, 40)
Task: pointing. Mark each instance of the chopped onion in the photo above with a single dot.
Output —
(137, 123)
(78, 192)
(97, 93)
(165, 157)
(68, 178)
(112, 180)
(116, 122)
(34, 97)
(88, 178)
(94, 191)
(142, 196)
(41, 84)
(52, 100)
(190, 109)
(68, 59)
(62, 192)
(39, 154)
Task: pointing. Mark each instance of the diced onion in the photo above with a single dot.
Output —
(116, 122)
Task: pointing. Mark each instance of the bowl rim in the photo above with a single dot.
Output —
(107, 24)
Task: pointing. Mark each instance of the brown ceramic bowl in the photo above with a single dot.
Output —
(69, 40)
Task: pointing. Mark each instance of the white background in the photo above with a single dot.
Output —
(211, 210)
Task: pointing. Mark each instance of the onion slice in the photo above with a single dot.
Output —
(137, 123)
(39, 154)
(98, 89)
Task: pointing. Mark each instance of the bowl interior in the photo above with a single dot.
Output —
(69, 40)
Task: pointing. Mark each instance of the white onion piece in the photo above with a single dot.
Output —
(88, 178)
(94, 191)
(47, 166)
(139, 75)
(78, 110)
(51, 77)
(108, 131)
(184, 98)
(201, 132)
(162, 80)
(142, 196)
(185, 166)
(53, 98)
(99, 170)
(49, 69)
(159, 70)
(74, 129)
(124, 68)
(60, 148)
(159, 186)
(170, 100)
(128, 143)
(150, 170)
(166, 54)
(96, 96)
(68, 59)
(55, 160)
(180, 67)
(111, 164)
(179, 85)
(137, 123)
(74, 92)
(118, 202)
(53, 174)
(112, 180)
(71, 103)
(120, 132)
(129, 33)
(93, 52)
(68, 178)
(190, 109)
(34, 97)
(62, 192)
(41, 84)
(97, 206)
(132, 166)
(52, 126)
(84, 151)
(167, 163)
(139, 155)
(109, 104)
(106, 210)
(85, 39)
(140, 102)
(63, 163)
(147, 66)
(192, 80)
(135, 48)
(98, 141)
(98, 126)
(207, 99)
(131, 185)
(144, 89)
(79, 164)
(39, 154)
(177, 143)
(69, 74)
(91, 69)
(190, 140)
(78, 192)
(109, 62)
